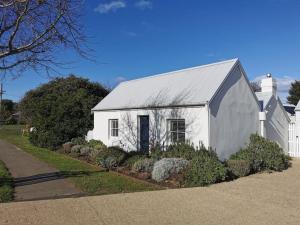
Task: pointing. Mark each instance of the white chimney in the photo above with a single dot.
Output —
(269, 85)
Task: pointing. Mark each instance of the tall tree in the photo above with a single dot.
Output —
(294, 93)
(32, 32)
(61, 109)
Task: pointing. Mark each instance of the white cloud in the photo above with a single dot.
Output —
(110, 7)
(143, 4)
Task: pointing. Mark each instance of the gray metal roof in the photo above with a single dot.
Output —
(193, 86)
(265, 97)
(298, 106)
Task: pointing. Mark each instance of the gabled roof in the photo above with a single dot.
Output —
(193, 86)
(298, 106)
(264, 97)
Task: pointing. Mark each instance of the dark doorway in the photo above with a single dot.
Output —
(144, 133)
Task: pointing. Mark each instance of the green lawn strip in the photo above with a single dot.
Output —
(6, 189)
(87, 177)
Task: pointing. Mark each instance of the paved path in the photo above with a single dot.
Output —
(34, 179)
(259, 199)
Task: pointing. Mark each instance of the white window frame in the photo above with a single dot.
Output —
(177, 131)
(113, 130)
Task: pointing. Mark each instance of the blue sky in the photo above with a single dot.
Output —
(135, 38)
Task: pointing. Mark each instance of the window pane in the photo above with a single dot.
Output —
(114, 128)
(173, 137)
(173, 125)
(181, 125)
(181, 137)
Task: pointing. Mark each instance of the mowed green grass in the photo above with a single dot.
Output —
(6, 189)
(90, 179)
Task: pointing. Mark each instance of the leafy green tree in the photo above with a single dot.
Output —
(7, 109)
(61, 109)
(294, 93)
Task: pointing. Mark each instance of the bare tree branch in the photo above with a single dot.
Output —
(32, 32)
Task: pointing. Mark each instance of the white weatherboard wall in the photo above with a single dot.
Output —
(196, 119)
(277, 123)
(234, 115)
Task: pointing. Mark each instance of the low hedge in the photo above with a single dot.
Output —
(238, 168)
(263, 154)
(115, 152)
(204, 169)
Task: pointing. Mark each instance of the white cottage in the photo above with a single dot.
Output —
(274, 118)
(211, 104)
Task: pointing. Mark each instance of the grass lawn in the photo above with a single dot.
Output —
(6, 189)
(88, 178)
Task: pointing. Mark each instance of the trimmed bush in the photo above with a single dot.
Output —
(79, 141)
(94, 154)
(76, 149)
(143, 165)
(132, 158)
(263, 154)
(67, 147)
(109, 162)
(238, 168)
(204, 169)
(85, 150)
(156, 153)
(96, 144)
(116, 152)
(165, 167)
(180, 150)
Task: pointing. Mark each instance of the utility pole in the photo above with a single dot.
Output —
(1, 94)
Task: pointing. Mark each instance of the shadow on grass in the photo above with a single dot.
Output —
(45, 177)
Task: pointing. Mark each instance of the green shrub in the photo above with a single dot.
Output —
(180, 150)
(238, 168)
(67, 147)
(204, 169)
(263, 154)
(132, 158)
(143, 165)
(116, 152)
(109, 162)
(79, 141)
(165, 167)
(156, 153)
(75, 150)
(96, 144)
(85, 150)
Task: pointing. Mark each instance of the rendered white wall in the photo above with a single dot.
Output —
(196, 124)
(277, 124)
(234, 115)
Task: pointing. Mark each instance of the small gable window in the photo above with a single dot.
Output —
(176, 130)
(114, 127)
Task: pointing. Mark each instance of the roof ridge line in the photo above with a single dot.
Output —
(181, 70)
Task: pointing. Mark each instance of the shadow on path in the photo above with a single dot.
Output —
(44, 177)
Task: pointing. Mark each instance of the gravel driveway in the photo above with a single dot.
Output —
(257, 199)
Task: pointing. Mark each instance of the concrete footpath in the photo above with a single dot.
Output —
(261, 199)
(34, 179)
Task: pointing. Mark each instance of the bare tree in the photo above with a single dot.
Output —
(256, 87)
(32, 32)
